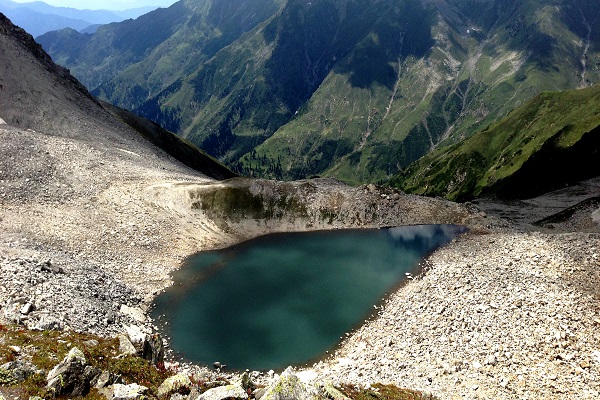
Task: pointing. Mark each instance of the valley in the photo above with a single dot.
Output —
(271, 90)
(98, 207)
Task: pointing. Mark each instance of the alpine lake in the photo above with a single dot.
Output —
(287, 299)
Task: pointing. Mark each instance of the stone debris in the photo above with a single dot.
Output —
(173, 384)
(83, 298)
(499, 316)
(227, 392)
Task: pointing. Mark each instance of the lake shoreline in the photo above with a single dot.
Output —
(500, 315)
(53, 258)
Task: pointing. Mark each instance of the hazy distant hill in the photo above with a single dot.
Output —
(549, 142)
(38, 17)
(356, 89)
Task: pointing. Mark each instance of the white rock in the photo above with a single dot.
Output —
(135, 335)
(128, 392)
(134, 312)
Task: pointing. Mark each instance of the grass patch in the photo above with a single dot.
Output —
(522, 155)
(384, 392)
(45, 349)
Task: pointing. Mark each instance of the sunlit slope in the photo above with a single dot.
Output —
(551, 141)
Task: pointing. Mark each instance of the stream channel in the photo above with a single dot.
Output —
(286, 299)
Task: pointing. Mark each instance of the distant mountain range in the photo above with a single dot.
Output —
(38, 17)
(353, 89)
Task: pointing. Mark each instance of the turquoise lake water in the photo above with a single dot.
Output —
(286, 299)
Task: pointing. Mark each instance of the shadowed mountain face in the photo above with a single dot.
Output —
(38, 95)
(354, 89)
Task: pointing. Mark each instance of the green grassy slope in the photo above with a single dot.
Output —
(488, 57)
(550, 141)
(352, 89)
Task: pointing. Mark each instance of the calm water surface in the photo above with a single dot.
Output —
(285, 299)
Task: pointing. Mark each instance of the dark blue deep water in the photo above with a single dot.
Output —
(285, 299)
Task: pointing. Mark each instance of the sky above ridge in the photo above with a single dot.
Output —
(104, 4)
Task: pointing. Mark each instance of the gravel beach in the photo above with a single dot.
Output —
(498, 316)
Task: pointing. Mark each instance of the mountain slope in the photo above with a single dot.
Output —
(551, 141)
(128, 62)
(353, 89)
(38, 18)
(29, 98)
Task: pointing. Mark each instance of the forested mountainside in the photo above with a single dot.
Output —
(354, 89)
(551, 141)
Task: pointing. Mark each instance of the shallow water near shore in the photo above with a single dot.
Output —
(285, 299)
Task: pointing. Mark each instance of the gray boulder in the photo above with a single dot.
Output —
(136, 336)
(287, 387)
(224, 393)
(72, 376)
(154, 350)
(125, 346)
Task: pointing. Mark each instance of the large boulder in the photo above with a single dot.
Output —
(136, 336)
(124, 392)
(154, 350)
(72, 376)
(234, 392)
(125, 346)
(174, 384)
(287, 387)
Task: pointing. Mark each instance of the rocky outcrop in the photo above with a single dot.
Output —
(72, 376)
(288, 387)
(154, 349)
(174, 384)
(227, 392)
